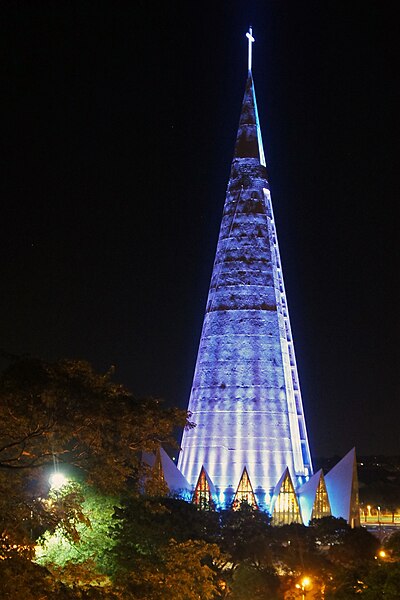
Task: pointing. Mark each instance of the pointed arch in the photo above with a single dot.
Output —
(244, 492)
(321, 507)
(285, 507)
(203, 492)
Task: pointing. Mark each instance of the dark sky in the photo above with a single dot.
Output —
(118, 129)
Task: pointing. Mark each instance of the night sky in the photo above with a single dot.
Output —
(118, 130)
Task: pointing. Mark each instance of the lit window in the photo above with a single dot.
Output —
(202, 494)
(286, 507)
(321, 506)
(244, 492)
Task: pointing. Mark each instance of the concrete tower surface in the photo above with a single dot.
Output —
(245, 397)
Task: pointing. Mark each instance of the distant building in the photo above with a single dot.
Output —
(250, 443)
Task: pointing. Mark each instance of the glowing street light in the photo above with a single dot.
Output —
(57, 481)
(304, 585)
(369, 511)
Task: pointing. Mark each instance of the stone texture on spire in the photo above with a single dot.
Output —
(248, 140)
(245, 396)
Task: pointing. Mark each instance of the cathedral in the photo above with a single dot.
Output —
(250, 442)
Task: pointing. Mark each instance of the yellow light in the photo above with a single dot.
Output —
(382, 553)
(305, 582)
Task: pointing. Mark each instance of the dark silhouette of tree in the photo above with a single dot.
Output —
(393, 545)
(246, 535)
(257, 583)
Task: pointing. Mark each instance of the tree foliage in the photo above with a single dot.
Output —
(245, 535)
(393, 545)
(68, 411)
(90, 550)
(65, 414)
(178, 570)
(255, 582)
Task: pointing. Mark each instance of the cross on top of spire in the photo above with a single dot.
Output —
(249, 35)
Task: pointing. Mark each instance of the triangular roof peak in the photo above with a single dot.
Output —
(164, 467)
(342, 485)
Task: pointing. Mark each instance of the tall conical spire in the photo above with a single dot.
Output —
(246, 397)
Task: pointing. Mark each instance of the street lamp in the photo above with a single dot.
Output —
(304, 585)
(379, 515)
(57, 480)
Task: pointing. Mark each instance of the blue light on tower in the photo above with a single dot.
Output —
(245, 396)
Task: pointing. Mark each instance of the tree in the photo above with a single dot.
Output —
(329, 531)
(88, 556)
(24, 514)
(143, 525)
(357, 547)
(22, 579)
(246, 535)
(167, 548)
(393, 545)
(345, 584)
(382, 581)
(257, 583)
(65, 412)
(179, 570)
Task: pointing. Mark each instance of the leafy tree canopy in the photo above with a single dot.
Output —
(92, 545)
(65, 412)
(178, 570)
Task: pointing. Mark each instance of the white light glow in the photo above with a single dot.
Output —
(249, 36)
(57, 481)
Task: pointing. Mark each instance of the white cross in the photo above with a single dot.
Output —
(249, 35)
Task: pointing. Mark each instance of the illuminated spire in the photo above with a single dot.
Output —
(245, 397)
